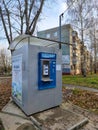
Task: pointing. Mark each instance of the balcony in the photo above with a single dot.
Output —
(75, 54)
(74, 46)
(74, 60)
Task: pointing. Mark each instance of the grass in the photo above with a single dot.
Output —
(78, 80)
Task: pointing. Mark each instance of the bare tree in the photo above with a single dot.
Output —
(19, 16)
(5, 61)
(91, 51)
(94, 45)
(94, 29)
(79, 17)
(93, 33)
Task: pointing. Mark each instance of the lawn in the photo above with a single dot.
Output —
(79, 80)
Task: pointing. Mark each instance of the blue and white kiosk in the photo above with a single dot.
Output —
(36, 73)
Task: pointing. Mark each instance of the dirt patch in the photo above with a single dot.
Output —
(82, 98)
(85, 99)
(5, 91)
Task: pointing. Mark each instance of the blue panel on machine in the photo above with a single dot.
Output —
(46, 70)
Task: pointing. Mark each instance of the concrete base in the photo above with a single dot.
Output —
(60, 118)
(14, 119)
(56, 118)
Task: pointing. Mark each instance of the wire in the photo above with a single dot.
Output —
(68, 7)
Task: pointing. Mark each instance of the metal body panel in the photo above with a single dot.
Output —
(33, 99)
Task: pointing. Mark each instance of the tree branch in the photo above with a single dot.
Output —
(9, 21)
(21, 17)
(4, 25)
(31, 7)
(36, 17)
(26, 17)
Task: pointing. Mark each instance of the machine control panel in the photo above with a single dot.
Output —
(46, 70)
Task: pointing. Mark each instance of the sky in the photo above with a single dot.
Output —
(51, 13)
(4, 45)
(49, 17)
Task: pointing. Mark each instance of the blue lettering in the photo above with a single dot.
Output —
(16, 66)
(47, 55)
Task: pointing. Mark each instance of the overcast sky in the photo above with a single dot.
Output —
(49, 17)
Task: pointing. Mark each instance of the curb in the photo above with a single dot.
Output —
(36, 123)
(69, 86)
(74, 127)
(78, 125)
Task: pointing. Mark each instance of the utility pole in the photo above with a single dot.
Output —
(60, 17)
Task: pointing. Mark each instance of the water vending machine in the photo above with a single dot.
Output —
(36, 74)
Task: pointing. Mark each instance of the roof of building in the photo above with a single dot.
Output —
(55, 28)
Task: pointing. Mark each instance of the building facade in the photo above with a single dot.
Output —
(76, 53)
(71, 52)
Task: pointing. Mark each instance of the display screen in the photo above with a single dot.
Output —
(45, 70)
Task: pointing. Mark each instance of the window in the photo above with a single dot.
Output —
(48, 35)
(55, 34)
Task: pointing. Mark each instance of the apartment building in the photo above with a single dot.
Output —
(71, 54)
(66, 32)
(76, 58)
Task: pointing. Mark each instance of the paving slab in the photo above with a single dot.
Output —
(12, 108)
(92, 117)
(14, 119)
(58, 118)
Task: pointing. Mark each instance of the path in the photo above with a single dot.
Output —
(80, 87)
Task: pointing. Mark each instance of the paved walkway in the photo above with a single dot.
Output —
(80, 87)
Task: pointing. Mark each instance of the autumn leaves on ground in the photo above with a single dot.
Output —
(5, 91)
(84, 99)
